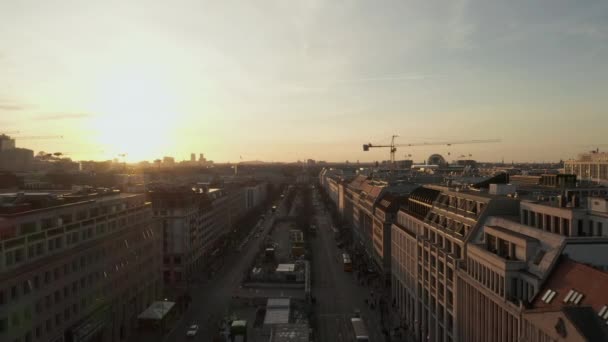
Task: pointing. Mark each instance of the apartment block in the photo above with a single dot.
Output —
(76, 267)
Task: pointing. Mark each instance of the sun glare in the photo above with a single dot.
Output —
(134, 115)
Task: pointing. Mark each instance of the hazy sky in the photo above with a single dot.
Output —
(290, 79)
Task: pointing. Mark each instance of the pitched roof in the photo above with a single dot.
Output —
(569, 275)
(390, 202)
(587, 322)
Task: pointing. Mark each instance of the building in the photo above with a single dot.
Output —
(567, 217)
(257, 193)
(14, 158)
(192, 157)
(590, 167)
(384, 216)
(76, 267)
(506, 262)
(428, 244)
(364, 193)
(178, 211)
(569, 307)
(193, 221)
(6, 143)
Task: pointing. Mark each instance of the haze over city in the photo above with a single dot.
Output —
(288, 80)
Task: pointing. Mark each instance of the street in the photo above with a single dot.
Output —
(337, 293)
(211, 299)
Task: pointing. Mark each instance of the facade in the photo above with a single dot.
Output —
(590, 167)
(365, 195)
(431, 232)
(6, 143)
(384, 216)
(193, 221)
(567, 217)
(256, 194)
(506, 262)
(16, 159)
(77, 267)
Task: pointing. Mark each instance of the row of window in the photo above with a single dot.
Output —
(81, 263)
(490, 279)
(70, 217)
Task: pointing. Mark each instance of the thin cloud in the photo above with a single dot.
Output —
(7, 107)
(389, 78)
(63, 116)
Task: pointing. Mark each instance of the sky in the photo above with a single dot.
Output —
(286, 80)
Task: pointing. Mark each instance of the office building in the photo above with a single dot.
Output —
(193, 219)
(428, 244)
(589, 167)
(76, 267)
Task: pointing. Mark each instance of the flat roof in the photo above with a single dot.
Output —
(157, 310)
(290, 333)
(278, 302)
(276, 316)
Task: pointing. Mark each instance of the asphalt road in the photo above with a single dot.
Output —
(337, 293)
(211, 300)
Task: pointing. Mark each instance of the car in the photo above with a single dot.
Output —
(192, 330)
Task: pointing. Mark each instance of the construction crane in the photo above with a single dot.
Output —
(393, 146)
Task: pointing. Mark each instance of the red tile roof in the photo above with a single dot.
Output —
(571, 275)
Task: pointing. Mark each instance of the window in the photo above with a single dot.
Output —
(16, 320)
(28, 228)
(600, 229)
(3, 324)
(49, 325)
(27, 286)
(14, 292)
(18, 255)
(2, 299)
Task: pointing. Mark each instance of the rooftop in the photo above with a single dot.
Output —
(571, 285)
(290, 333)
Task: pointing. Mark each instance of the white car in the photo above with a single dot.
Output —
(192, 330)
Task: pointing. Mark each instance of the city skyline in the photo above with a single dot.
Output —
(312, 79)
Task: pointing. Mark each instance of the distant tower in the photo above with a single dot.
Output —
(201, 157)
(192, 157)
(6, 143)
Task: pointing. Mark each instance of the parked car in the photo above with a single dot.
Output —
(192, 330)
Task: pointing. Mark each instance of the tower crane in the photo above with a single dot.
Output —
(393, 146)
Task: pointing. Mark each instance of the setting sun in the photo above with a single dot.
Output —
(134, 114)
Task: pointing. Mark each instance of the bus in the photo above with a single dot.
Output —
(361, 334)
(348, 262)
